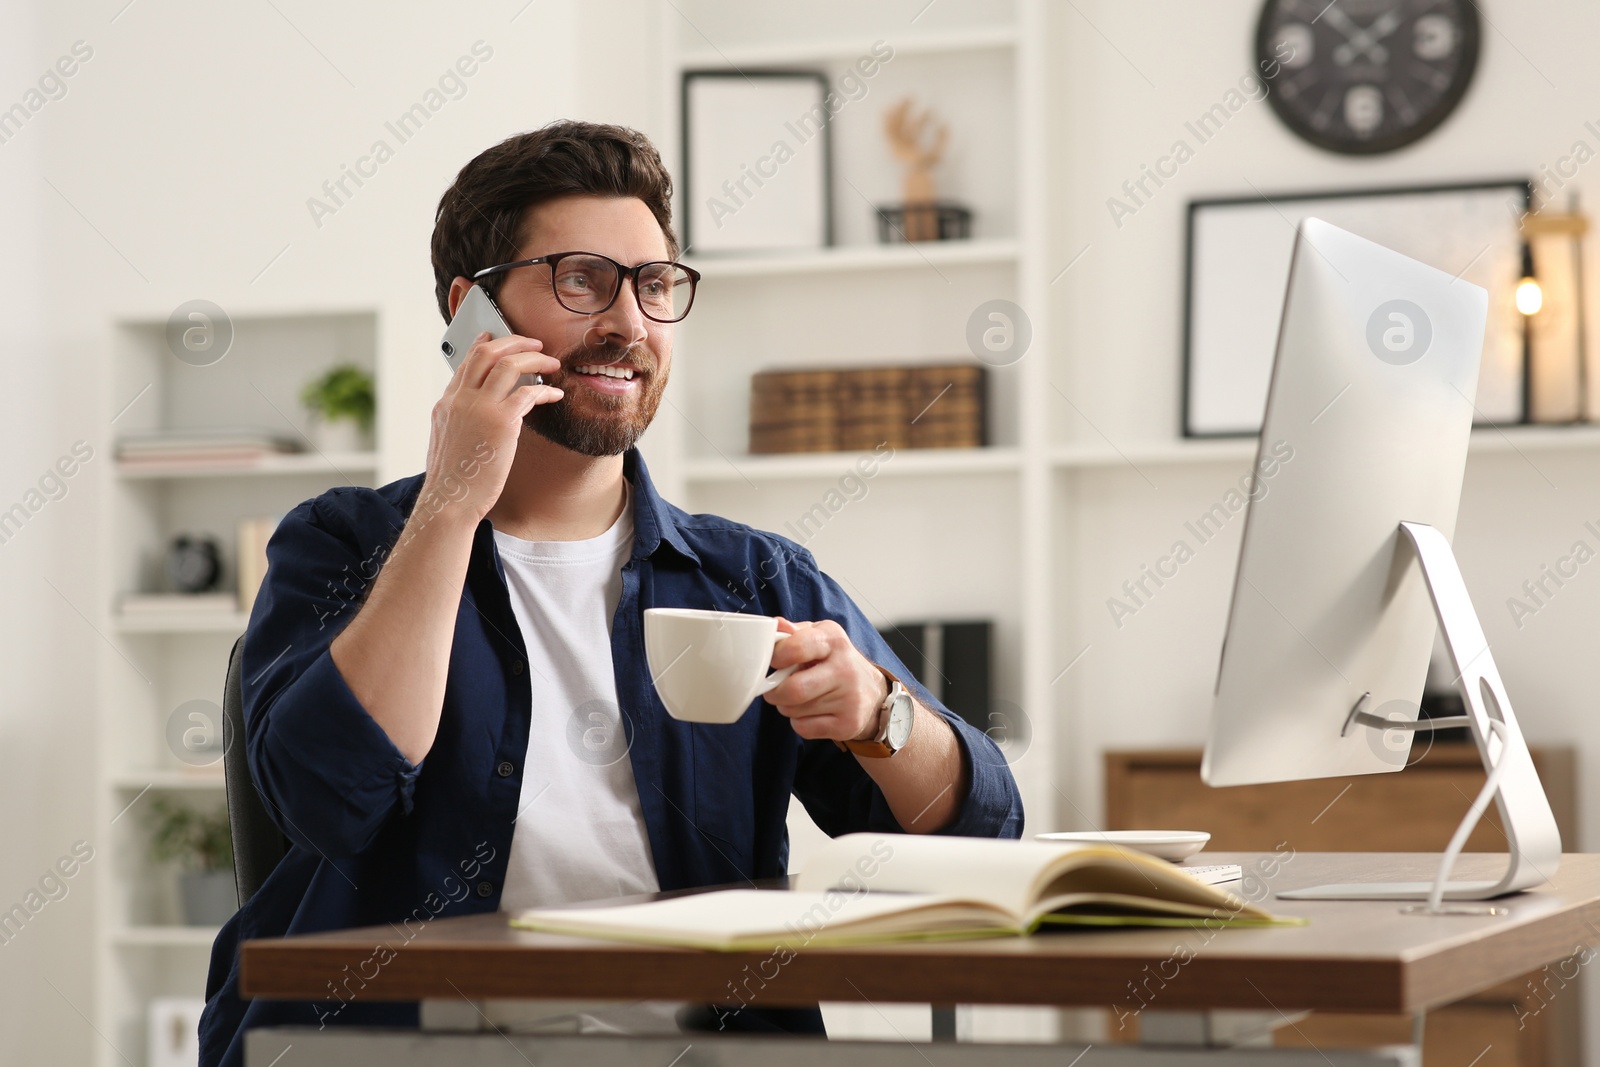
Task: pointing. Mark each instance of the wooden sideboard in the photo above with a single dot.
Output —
(1534, 1021)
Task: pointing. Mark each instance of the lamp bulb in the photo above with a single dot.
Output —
(1530, 298)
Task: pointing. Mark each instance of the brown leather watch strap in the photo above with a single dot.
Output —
(876, 749)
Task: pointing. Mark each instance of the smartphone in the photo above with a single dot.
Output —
(476, 314)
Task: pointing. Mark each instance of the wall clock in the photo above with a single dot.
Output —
(1366, 76)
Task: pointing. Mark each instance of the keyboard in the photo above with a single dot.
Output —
(1214, 873)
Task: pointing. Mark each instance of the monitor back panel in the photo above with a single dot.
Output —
(1367, 425)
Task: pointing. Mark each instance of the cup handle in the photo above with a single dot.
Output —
(773, 680)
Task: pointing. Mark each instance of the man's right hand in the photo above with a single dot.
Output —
(395, 653)
(478, 419)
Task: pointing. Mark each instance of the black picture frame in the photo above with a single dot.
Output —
(1521, 186)
(688, 130)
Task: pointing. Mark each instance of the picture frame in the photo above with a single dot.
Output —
(1237, 266)
(757, 161)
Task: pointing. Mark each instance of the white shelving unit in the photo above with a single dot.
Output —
(862, 258)
(928, 462)
(1239, 451)
(972, 38)
(319, 463)
(147, 666)
(938, 533)
(979, 66)
(232, 622)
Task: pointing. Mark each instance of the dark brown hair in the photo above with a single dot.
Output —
(480, 216)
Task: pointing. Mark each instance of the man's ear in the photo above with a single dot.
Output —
(458, 292)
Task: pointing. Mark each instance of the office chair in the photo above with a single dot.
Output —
(258, 844)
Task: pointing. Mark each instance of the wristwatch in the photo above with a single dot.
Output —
(895, 716)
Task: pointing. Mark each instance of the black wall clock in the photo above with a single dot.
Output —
(1365, 76)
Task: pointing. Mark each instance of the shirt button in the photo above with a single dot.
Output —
(505, 770)
(486, 889)
(516, 667)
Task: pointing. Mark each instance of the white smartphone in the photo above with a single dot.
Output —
(476, 314)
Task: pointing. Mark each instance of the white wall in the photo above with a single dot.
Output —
(1118, 313)
(46, 753)
(182, 157)
(1120, 317)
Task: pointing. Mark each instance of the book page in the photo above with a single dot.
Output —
(1015, 876)
(738, 918)
(1131, 877)
(1003, 873)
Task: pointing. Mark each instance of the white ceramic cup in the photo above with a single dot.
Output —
(707, 666)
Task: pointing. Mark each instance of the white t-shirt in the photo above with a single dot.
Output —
(580, 832)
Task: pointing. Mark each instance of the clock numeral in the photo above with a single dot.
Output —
(1295, 46)
(1434, 37)
(1363, 108)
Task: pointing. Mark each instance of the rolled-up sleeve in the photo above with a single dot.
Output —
(842, 798)
(328, 773)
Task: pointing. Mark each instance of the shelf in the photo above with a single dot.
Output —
(220, 622)
(169, 780)
(832, 465)
(1514, 439)
(1510, 440)
(1181, 452)
(165, 936)
(923, 255)
(1158, 453)
(345, 463)
(778, 53)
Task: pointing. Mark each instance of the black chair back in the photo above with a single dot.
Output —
(258, 844)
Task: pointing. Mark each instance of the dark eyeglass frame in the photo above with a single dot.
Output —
(623, 272)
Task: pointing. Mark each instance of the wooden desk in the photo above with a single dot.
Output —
(1414, 810)
(1353, 957)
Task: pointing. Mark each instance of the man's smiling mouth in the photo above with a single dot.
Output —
(609, 370)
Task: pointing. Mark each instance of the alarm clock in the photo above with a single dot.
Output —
(194, 564)
(1366, 76)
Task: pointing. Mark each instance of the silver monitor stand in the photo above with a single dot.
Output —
(1532, 837)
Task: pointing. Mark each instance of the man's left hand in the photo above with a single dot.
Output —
(836, 692)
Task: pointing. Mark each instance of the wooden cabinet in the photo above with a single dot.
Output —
(1531, 1022)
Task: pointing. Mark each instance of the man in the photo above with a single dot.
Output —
(447, 705)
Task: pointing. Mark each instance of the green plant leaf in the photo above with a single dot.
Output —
(344, 392)
(194, 839)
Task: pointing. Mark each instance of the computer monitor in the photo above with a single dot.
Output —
(1345, 569)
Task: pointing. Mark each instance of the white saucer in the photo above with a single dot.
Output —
(1171, 845)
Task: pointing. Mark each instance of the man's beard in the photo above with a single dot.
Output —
(605, 425)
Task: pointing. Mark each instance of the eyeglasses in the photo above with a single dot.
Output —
(587, 283)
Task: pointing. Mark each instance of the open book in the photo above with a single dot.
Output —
(890, 887)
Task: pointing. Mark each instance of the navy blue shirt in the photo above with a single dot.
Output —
(378, 840)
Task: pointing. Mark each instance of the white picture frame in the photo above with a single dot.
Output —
(1238, 268)
(757, 162)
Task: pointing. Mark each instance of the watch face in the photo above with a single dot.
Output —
(901, 714)
(1364, 76)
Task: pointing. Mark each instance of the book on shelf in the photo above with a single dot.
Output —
(794, 411)
(860, 408)
(221, 446)
(863, 888)
(177, 605)
(947, 406)
(952, 660)
(872, 409)
(250, 559)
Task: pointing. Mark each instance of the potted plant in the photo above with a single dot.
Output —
(201, 844)
(342, 403)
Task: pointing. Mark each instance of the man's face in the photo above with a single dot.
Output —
(600, 415)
